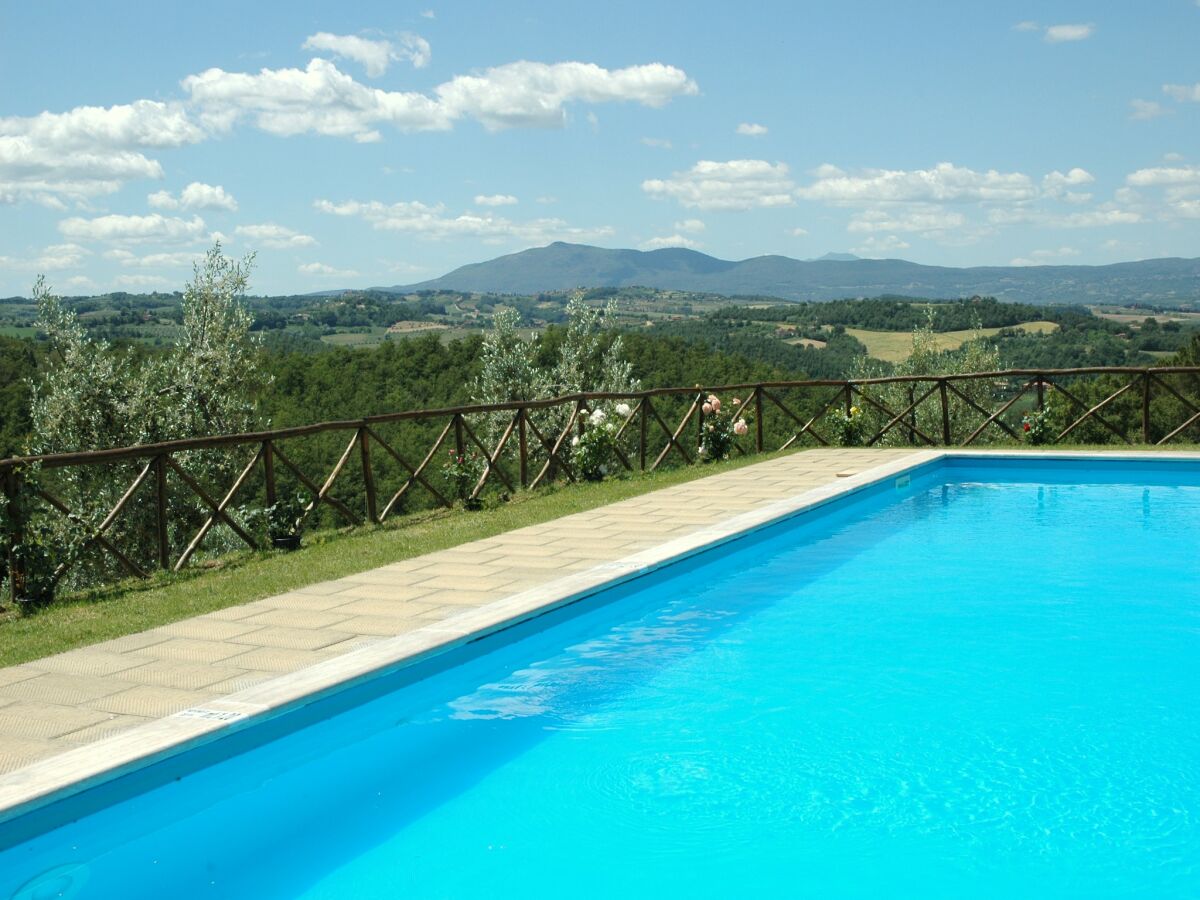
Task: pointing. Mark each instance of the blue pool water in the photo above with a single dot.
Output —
(983, 683)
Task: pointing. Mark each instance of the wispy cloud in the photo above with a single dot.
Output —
(1058, 34)
(495, 200)
(1145, 110)
(751, 129)
(277, 237)
(738, 184)
(374, 55)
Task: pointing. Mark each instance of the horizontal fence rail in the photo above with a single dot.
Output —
(182, 491)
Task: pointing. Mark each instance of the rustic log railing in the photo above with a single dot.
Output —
(527, 444)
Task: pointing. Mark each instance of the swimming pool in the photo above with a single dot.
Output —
(978, 679)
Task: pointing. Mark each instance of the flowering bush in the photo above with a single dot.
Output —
(1035, 426)
(594, 451)
(719, 429)
(850, 428)
(462, 471)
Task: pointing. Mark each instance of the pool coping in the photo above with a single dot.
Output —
(74, 771)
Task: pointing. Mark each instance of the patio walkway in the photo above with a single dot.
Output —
(62, 702)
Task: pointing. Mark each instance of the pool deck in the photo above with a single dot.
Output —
(71, 718)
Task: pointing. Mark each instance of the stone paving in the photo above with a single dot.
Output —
(62, 702)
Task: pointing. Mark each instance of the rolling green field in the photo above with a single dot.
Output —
(895, 346)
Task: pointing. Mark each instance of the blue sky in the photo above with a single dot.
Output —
(386, 143)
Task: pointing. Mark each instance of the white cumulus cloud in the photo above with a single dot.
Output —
(374, 55)
(944, 183)
(51, 259)
(689, 226)
(277, 237)
(87, 151)
(196, 195)
(495, 200)
(737, 184)
(323, 100)
(133, 229)
(1164, 175)
(751, 129)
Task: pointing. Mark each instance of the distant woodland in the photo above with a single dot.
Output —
(358, 353)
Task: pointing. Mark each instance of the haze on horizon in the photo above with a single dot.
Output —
(391, 143)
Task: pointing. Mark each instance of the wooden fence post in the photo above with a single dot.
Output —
(945, 412)
(758, 418)
(642, 432)
(268, 456)
(1041, 393)
(1145, 407)
(160, 481)
(459, 446)
(15, 528)
(523, 446)
(364, 449)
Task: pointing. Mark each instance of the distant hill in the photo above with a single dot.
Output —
(562, 266)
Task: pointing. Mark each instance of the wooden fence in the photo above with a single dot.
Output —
(524, 452)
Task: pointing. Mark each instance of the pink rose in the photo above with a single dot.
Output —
(740, 427)
(716, 404)
(708, 408)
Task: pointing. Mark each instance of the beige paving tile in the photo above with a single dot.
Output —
(110, 725)
(86, 662)
(277, 659)
(68, 690)
(13, 674)
(206, 628)
(487, 583)
(296, 600)
(189, 650)
(174, 673)
(398, 608)
(236, 613)
(382, 592)
(462, 598)
(133, 642)
(377, 625)
(33, 719)
(289, 638)
(246, 679)
(16, 753)
(297, 618)
(150, 700)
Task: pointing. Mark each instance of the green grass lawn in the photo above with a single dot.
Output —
(133, 606)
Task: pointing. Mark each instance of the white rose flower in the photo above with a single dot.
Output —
(597, 417)
(622, 409)
(575, 441)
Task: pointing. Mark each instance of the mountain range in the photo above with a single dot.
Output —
(560, 266)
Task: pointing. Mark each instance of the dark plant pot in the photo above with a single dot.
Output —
(288, 542)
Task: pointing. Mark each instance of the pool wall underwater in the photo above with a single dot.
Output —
(201, 738)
